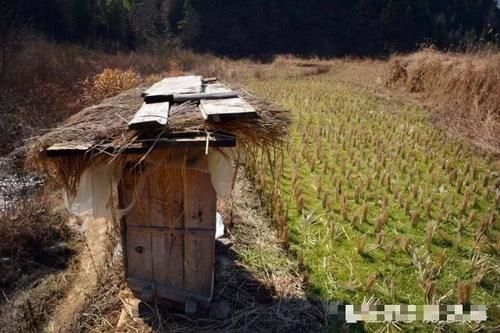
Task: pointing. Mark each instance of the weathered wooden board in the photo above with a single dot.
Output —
(200, 206)
(167, 87)
(169, 239)
(168, 258)
(199, 251)
(139, 253)
(203, 96)
(226, 109)
(131, 192)
(144, 145)
(165, 198)
(150, 117)
(216, 88)
(68, 149)
(167, 292)
(200, 201)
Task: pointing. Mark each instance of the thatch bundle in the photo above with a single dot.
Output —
(464, 89)
(106, 125)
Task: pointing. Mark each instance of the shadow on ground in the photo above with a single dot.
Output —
(242, 303)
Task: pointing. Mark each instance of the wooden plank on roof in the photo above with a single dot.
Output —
(150, 117)
(67, 149)
(216, 88)
(225, 109)
(209, 79)
(167, 87)
(196, 97)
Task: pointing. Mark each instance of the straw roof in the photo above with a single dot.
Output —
(106, 124)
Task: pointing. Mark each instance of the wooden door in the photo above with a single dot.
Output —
(168, 234)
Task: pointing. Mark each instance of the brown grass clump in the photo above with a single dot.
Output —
(33, 236)
(110, 82)
(464, 88)
(36, 250)
(103, 306)
(464, 292)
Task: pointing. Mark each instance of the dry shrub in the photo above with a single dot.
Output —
(43, 83)
(35, 239)
(111, 81)
(31, 308)
(36, 249)
(463, 88)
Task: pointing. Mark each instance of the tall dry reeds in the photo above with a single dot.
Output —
(463, 87)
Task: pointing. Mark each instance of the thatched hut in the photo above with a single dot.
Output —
(165, 153)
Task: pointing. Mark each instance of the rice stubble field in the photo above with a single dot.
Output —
(378, 205)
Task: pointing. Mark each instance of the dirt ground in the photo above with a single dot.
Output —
(91, 264)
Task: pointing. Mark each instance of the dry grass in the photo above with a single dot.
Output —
(464, 89)
(34, 237)
(102, 307)
(110, 82)
(36, 253)
(43, 83)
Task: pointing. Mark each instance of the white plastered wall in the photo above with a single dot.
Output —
(98, 183)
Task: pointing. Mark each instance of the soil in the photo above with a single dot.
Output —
(91, 263)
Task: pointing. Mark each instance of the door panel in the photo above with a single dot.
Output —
(139, 253)
(168, 258)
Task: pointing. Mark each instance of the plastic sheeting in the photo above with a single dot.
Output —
(98, 183)
(221, 170)
(219, 227)
(96, 186)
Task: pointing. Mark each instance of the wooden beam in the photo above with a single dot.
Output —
(142, 146)
(66, 149)
(150, 117)
(175, 85)
(197, 141)
(167, 292)
(181, 98)
(208, 96)
(209, 80)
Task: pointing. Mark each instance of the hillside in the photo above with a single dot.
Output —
(261, 29)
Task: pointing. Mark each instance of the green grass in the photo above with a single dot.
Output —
(431, 203)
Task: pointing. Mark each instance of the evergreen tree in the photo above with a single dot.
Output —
(190, 25)
(264, 27)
